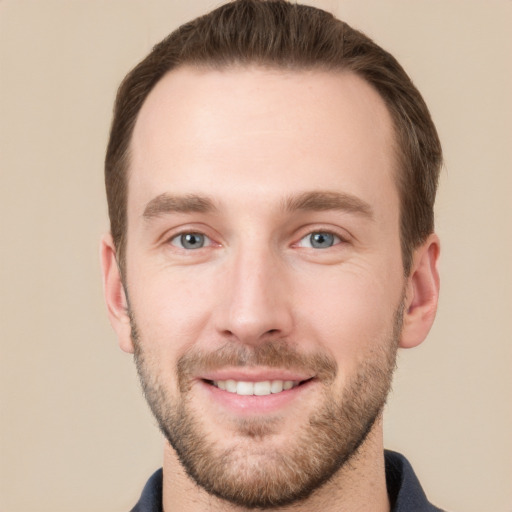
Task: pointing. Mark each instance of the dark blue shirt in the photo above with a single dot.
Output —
(404, 490)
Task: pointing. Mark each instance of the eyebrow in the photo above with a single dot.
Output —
(167, 203)
(307, 201)
(323, 201)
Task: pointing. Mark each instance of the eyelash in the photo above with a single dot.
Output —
(337, 239)
(179, 236)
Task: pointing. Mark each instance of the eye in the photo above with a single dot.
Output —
(319, 240)
(190, 241)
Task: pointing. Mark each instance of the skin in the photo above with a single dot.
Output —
(252, 140)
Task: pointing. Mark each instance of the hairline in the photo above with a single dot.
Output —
(397, 152)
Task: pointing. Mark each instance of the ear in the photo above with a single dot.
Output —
(422, 293)
(115, 297)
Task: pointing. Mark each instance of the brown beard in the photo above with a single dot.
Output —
(249, 474)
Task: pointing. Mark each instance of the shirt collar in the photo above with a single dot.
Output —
(404, 489)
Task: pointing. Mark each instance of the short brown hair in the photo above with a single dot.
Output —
(278, 34)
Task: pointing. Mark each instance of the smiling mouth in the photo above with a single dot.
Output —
(259, 388)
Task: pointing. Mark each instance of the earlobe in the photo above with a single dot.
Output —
(114, 293)
(422, 294)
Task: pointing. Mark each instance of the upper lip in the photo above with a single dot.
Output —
(255, 375)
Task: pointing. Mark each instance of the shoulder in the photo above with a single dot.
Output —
(404, 489)
(151, 497)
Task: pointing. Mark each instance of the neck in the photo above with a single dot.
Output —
(360, 485)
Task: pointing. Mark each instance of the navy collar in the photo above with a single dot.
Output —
(404, 489)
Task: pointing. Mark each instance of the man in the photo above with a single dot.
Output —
(271, 176)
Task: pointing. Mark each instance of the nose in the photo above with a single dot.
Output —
(255, 302)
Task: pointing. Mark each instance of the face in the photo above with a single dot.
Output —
(263, 273)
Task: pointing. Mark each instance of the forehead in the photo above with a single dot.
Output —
(202, 129)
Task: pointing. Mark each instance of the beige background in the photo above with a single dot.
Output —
(74, 429)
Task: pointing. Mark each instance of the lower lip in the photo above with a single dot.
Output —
(254, 404)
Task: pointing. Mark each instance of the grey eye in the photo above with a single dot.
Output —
(189, 241)
(319, 240)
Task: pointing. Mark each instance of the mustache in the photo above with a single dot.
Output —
(271, 354)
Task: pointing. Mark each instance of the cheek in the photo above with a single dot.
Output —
(170, 311)
(350, 313)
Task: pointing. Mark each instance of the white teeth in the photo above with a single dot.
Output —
(288, 384)
(276, 386)
(261, 388)
(231, 386)
(244, 388)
